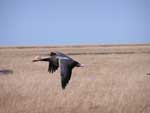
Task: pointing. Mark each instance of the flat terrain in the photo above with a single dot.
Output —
(116, 79)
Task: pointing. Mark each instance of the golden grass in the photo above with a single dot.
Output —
(110, 83)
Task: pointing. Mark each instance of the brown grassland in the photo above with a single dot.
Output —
(115, 79)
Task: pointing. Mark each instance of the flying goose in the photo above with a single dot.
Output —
(66, 64)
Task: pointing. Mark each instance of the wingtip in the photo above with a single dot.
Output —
(63, 87)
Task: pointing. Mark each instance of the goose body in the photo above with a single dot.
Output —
(66, 64)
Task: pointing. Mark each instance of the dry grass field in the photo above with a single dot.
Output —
(116, 79)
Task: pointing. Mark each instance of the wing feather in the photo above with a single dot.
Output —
(53, 65)
(66, 71)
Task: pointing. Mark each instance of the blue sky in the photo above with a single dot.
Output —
(50, 22)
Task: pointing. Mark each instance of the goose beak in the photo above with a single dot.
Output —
(37, 58)
(81, 65)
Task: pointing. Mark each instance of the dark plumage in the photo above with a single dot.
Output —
(66, 64)
(6, 71)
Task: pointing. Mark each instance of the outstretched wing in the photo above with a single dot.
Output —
(53, 65)
(66, 71)
(54, 60)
